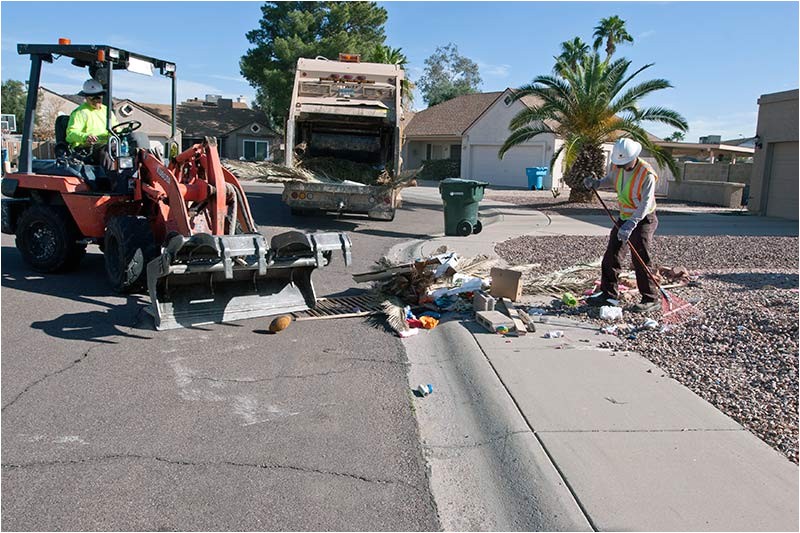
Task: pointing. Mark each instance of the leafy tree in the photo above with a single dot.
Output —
(288, 31)
(676, 137)
(395, 56)
(447, 75)
(572, 53)
(611, 30)
(586, 107)
(13, 98)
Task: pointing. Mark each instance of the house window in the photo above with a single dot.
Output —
(255, 128)
(507, 100)
(455, 151)
(126, 110)
(428, 152)
(256, 150)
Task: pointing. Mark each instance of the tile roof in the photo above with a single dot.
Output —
(201, 120)
(452, 117)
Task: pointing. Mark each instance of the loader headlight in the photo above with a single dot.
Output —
(125, 162)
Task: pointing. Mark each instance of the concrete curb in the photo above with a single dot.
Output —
(489, 471)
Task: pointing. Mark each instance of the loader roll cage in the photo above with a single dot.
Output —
(102, 61)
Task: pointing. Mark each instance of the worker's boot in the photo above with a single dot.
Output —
(646, 307)
(601, 299)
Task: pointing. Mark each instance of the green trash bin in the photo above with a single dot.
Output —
(461, 199)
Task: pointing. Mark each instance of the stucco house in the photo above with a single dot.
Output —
(471, 129)
(241, 132)
(774, 183)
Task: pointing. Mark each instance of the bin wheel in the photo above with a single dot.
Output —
(464, 228)
(477, 228)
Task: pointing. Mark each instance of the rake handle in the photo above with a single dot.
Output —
(633, 250)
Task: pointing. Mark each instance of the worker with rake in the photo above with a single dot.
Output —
(635, 183)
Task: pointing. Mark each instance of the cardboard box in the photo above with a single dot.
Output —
(506, 284)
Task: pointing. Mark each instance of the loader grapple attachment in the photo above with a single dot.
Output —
(204, 278)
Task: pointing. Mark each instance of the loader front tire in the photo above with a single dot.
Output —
(128, 246)
(47, 241)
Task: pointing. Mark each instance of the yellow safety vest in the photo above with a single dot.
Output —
(630, 194)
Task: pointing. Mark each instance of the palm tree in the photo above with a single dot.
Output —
(572, 52)
(676, 137)
(612, 30)
(394, 56)
(587, 107)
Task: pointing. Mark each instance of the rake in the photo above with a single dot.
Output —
(674, 309)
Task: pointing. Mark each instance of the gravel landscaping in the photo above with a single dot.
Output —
(742, 355)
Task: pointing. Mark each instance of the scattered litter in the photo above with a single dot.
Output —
(741, 329)
(665, 328)
(608, 312)
(569, 299)
(501, 330)
(408, 333)
(610, 330)
(415, 323)
(555, 334)
(536, 311)
(428, 322)
(425, 389)
(650, 324)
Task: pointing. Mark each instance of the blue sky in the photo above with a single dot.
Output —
(720, 56)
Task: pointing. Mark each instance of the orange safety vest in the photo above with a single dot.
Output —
(630, 194)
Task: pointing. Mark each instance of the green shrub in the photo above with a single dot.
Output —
(439, 169)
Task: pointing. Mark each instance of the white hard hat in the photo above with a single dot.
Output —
(625, 150)
(91, 88)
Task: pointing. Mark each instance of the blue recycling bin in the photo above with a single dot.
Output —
(536, 177)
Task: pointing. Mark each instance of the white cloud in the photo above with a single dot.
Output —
(646, 34)
(237, 79)
(495, 71)
(727, 125)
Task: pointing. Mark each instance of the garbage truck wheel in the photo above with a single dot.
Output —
(478, 227)
(464, 228)
(128, 247)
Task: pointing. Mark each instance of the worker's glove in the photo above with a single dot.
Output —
(590, 183)
(624, 232)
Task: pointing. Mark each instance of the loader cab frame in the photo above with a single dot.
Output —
(102, 61)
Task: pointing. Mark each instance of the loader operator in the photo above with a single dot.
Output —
(87, 123)
(635, 183)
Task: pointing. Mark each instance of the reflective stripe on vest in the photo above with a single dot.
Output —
(629, 194)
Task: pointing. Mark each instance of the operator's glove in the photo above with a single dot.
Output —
(624, 233)
(590, 183)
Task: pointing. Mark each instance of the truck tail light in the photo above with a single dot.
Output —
(387, 200)
(302, 196)
(294, 195)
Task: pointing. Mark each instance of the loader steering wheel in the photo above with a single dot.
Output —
(124, 128)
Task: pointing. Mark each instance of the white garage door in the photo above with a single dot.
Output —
(509, 171)
(783, 181)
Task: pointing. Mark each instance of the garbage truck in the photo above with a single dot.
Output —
(350, 112)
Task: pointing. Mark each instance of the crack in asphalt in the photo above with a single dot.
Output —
(265, 466)
(504, 438)
(41, 379)
(302, 376)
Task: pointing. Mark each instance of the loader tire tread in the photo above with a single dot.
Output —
(47, 239)
(128, 247)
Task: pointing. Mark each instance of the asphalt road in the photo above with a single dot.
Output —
(108, 424)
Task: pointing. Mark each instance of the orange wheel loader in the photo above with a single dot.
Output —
(178, 226)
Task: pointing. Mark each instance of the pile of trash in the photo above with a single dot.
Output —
(415, 295)
(319, 170)
(270, 172)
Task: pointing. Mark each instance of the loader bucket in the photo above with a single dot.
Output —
(205, 278)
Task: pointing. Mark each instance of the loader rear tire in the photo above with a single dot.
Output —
(47, 240)
(128, 247)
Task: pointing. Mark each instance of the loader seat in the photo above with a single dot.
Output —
(62, 148)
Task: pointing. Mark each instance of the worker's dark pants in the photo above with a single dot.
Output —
(642, 241)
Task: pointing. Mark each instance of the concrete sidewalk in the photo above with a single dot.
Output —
(636, 449)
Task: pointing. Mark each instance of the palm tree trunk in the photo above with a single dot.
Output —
(590, 161)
